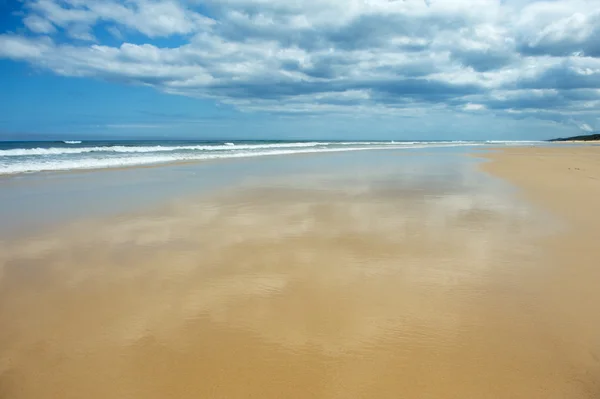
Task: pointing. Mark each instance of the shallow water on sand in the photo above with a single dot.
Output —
(359, 276)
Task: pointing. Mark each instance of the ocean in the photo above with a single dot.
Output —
(18, 157)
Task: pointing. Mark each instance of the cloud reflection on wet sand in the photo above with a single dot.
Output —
(280, 292)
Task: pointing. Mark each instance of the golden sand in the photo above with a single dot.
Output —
(565, 181)
(316, 294)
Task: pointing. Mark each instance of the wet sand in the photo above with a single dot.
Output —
(566, 182)
(388, 282)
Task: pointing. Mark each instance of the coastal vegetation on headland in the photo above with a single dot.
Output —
(587, 137)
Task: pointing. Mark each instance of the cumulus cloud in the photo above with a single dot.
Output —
(151, 18)
(560, 29)
(513, 58)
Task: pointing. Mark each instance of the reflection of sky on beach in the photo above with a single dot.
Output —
(29, 202)
(368, 221)
(372, 256)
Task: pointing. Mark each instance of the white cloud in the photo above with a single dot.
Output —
(560, 28)
(510, 57)
(20, 48)
(115, 32)
(153, 18)
(474, 107)
(583, 126)
(37, 24)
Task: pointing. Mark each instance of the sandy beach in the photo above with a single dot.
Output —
(433, 275)
(566, 182)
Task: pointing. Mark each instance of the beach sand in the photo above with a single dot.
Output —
(389, 282)
(566, 182)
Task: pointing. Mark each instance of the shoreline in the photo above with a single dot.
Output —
(183, 162)
(410, 146)
(369, 275)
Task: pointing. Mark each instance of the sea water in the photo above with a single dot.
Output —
(18, 157)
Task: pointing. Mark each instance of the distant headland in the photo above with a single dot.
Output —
(587, 137)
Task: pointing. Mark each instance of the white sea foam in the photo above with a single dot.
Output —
(41, 165)
(15, 152)
(16, 161)
(19, 152)
(72, 142)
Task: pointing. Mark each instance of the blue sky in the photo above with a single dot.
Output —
(330, 69)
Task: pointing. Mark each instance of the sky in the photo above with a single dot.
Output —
(299, 69)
